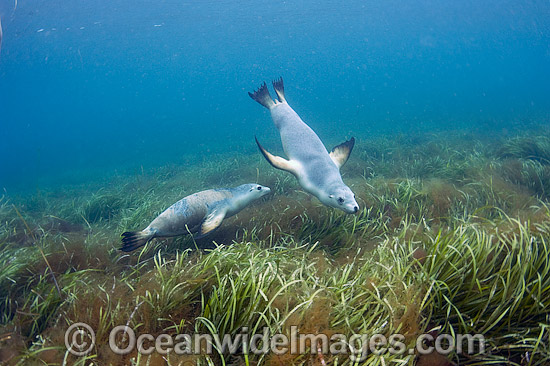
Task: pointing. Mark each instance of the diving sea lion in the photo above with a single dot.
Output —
(317, 171)
(200, 213)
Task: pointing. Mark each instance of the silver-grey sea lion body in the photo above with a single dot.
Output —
(317, 171)
(200, 213)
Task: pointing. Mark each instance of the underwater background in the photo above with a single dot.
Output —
(110, 111)
(90, 88)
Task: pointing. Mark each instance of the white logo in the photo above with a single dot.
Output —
(80, 339)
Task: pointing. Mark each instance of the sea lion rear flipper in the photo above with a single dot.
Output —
(277, 161)
(131, 240)
(210, 223)
(279, 89)
(341, 153)
(262, 96)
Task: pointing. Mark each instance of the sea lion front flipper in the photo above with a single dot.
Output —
(211, 223)
(341, 153)
(277, 161)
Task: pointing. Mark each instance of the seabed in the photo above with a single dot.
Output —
(453, 238)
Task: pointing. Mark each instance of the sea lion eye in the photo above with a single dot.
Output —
(340, 200)
(259, 188)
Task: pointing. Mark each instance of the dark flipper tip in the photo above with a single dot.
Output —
(131, 240)
(261, 95)
(279, 87)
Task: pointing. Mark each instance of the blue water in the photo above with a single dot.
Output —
(88, 88)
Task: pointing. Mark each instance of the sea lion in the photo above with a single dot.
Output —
(200, 213)
(317, 171)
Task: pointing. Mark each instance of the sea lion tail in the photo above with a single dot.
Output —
(262, 96)
(131, 240)
(279, 89)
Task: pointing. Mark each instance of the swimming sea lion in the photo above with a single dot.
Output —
(200, 213)
(317, 171)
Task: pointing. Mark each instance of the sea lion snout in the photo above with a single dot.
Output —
(350, 209)
(262, 191)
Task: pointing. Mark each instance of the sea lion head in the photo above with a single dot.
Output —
(342, 198)
(252, 191)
